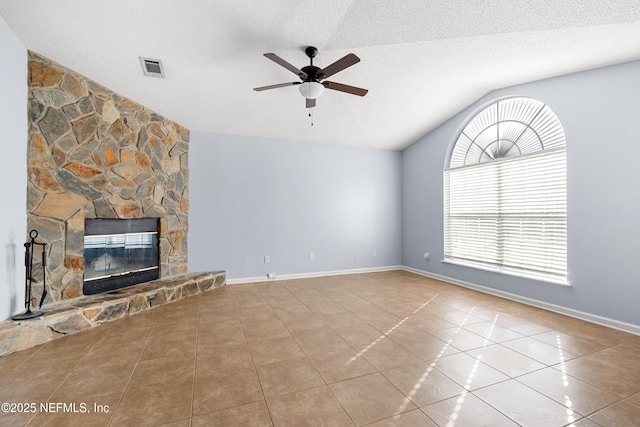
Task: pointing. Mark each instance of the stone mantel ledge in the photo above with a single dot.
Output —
(68, 317)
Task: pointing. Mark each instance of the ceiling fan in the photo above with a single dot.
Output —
(311, 77)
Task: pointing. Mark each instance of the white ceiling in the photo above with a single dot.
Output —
(422, 61)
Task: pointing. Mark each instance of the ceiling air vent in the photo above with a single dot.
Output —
(152, 67)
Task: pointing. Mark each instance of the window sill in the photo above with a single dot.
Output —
(508, 272)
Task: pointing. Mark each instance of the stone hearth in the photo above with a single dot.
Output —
(72, 316)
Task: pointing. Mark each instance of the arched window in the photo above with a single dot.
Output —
(506, 191)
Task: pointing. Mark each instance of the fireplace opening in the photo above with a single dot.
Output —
(119, 253)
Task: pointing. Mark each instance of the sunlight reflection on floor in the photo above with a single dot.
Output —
(565, 382)
(454, 415)
(460, 402)
(381, 337)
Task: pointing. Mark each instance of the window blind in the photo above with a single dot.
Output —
(509, 214)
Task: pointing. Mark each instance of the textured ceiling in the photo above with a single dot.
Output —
(422, 61)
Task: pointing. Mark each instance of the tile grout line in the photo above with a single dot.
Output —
(327, 385)
(195, 364)
(255, 368)
(290, 334)
(306, 356)
(155, 325)
(70, 371)
(407, 399)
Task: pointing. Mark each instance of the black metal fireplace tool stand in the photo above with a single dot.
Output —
(28, 264)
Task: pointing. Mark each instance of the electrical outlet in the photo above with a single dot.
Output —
(426, 256)
(271, 275)
(312, 256)
(374, 253)
(355, 258)
(267, 259)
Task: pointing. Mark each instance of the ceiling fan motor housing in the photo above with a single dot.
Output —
(312, 73)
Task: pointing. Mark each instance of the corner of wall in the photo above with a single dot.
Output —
(13, 122)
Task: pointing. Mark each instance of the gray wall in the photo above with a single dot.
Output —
(13, 122)
(600, 111)
(252, 197)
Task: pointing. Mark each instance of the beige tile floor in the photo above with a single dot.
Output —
(382, 349)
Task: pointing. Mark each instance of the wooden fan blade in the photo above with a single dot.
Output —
(295, 70)
(311, 103)
(339, 65)
(276, 86)
(345, 88)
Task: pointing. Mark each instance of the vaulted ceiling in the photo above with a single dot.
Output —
(422, 61)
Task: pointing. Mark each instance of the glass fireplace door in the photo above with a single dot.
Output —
(119, 253)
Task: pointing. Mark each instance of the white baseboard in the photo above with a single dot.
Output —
(313, 274)
(593, 318)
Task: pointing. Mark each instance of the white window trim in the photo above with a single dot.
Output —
(509, 272)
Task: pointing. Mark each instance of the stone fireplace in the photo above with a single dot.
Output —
(95, 154)
(96, 158)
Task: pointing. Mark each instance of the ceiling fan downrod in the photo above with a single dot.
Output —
(311, 52)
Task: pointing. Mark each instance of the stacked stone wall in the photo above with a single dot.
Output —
(95, 154)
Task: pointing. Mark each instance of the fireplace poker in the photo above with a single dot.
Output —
(44, 275)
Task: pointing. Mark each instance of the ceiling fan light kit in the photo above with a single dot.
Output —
(312, 85)
(311, 90)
